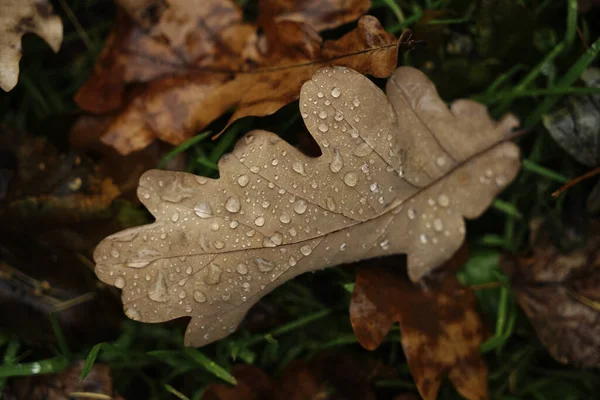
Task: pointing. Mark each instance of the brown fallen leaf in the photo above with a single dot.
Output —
(228, 65)
(327, 376)
(440, 328)
(18, 18)
(397, 174)
(65, 385)
(559, 290)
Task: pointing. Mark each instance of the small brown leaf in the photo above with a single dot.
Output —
(560, 294)
(440, 328)
(65, 385)
(19, 17)
(397, 174)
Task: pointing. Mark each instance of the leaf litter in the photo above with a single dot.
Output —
(397, 174)
(191, 63)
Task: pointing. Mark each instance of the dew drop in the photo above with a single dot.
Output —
(189, 270)
(219, 245)
(264, 265)
(175, 217)
(440, 161)
(323, 128)
(213, 274)
(182, 294)
(500, 180)
(234, 224)
(260, 221)
(362, 149)
(120, 282)
(300, 206)
(242, 269)
(215, 226)
(438, 225)
(285, 218)
(443, 200)
(351, 179)
(274, 162)
(298, 167)
(331, 203)
(158, 291)
(243, 180)
(336, 92)
(203, 210)
(304, 115)
(115, 253)
(277, 238)
(323, 114)
(423, 238)
(385, 245)
(199, 296)
(133, 313)
(336, 162)
(355, 102)
(320, 95)
(411, 213)
(292, 261)
(306, 250)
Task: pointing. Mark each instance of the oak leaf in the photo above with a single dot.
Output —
(397, 174)
(19, 17)
(221, 64)
(440, 328)
(559, 290)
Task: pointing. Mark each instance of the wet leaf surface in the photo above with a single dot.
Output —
(190, 73)
(18, 18)
(397, 174)
(559, 290)
(65, 385)
(440, 328)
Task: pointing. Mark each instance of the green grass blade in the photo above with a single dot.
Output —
(537, 169)
(567, 80)
(507, 208)
(183, 147)
(48, 366)
(175, 392)
(60, 337)
(90, 360)
(209, 365)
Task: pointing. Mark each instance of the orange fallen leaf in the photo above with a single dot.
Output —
(441, 330)
(191, 75)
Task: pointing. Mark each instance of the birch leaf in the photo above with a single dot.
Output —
(397, 174)
(19, 17)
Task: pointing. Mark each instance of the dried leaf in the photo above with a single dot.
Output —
(47, 186)
(560, 294)
(319, 14)
(223, 64)
(576, 128)
(442, 341)
(394, 177)
(18, 18)
(321, 378)
(65, 385)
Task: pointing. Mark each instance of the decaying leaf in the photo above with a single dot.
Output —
(440, 328)
(213, 61)
(576, 128)
(560, 294)
(396, 175)
(19, 17)
(327, 376)
(66, 385)
(54, 208)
